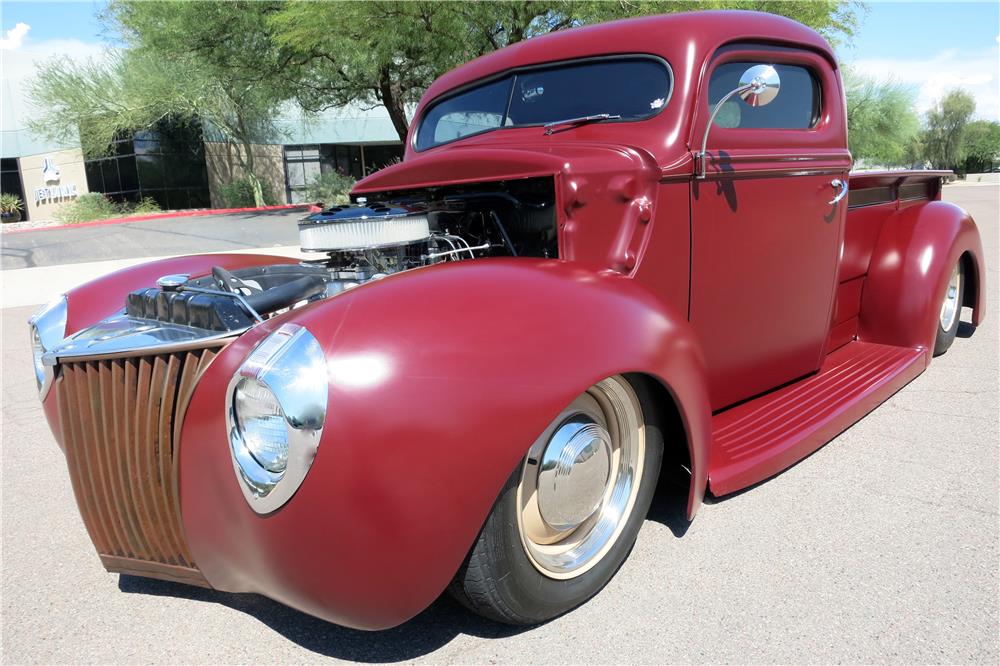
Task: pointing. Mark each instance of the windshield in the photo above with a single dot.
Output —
(633, 88)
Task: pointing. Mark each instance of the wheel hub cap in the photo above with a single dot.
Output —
(580, 480)
(950, 306)
(574, 473)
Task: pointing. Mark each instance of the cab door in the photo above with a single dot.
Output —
(765, 235)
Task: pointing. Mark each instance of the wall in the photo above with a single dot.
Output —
(223, 167)
(69, 163)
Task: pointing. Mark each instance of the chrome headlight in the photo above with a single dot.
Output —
(275, 409)
(48, 328)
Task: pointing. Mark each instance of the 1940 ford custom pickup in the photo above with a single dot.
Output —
(607, 251)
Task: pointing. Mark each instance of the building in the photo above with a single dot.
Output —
(182, 166)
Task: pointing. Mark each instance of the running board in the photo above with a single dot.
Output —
(759, 438)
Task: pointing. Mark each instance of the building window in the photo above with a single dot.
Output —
(167, 165)
(303, 163)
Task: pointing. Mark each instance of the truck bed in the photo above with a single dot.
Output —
(872, 197)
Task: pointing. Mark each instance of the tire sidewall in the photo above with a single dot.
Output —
(944, 338)
(536, 597)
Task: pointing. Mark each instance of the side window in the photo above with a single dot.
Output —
(797, 105)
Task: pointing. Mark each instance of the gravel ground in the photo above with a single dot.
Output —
(881, 547)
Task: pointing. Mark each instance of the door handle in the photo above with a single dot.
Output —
(842, 184)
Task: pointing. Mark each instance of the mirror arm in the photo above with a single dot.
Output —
(702, 157)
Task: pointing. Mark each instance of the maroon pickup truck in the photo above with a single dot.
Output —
(608, 251)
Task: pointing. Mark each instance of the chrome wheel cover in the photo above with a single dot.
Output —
(950, 307)
(580, 480)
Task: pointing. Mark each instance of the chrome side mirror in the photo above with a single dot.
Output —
(759, 85)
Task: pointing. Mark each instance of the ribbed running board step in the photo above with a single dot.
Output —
(759, 438)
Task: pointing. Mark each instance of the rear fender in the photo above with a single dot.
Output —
(909, 271)
(440, 380)
(93, 301)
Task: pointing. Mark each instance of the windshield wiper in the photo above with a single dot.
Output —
(576, 122)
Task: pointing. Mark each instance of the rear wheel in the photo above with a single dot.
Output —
(569, 514)
(951, 310)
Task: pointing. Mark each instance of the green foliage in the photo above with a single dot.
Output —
(387, 53)
(210, 61)
(329, 188)
(145, 206)
(881, 122)
(981, 145)
(10, 203)
(240, 194)
(96, 206)
(946, 124)
(87, 207)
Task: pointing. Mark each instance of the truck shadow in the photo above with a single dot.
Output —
(430, 630)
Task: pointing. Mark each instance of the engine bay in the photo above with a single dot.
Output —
(366, 240)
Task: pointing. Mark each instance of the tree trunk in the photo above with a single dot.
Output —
(246, 161)
(392, 99)
(250, 170)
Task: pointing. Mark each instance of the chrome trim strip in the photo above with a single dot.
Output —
(121, 336)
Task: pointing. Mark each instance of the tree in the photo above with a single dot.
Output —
(387, 53)
(213, 62)
(881, 122)
(981, 145)
(946, 124)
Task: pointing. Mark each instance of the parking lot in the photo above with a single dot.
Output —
(880, 547)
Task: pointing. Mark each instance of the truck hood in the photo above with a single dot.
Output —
(477, 162)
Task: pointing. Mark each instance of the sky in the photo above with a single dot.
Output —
(932, 46)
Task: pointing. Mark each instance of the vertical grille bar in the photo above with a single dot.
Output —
(121, 423)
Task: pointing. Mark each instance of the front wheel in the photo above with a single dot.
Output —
(951, 310)
(569, 514)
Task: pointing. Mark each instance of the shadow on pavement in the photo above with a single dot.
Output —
(428, 631)
(965, 329)
(669, 505)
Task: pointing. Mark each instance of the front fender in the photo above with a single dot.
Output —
(909, 270)
(440, 379)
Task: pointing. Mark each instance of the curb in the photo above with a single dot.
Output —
(312, 208)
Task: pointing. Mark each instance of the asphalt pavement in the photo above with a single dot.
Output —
(149, 238)
(880, 547)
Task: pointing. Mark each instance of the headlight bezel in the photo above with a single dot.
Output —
(290, 363)
(46, 328)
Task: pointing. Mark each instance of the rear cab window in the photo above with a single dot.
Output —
(632, 87)
(797, 106)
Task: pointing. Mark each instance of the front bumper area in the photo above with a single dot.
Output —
(119, 425)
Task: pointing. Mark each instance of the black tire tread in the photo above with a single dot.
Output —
(475, 589)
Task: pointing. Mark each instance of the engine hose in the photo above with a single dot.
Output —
(503, 232)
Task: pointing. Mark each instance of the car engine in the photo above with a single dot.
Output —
(364, 241)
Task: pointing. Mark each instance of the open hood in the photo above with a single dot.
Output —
(482, 162)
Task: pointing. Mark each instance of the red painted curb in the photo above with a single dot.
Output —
(312, 208)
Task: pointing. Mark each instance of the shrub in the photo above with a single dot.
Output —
(239, 194)
(145, 206)
(329, 188)
(96, 206)
(10, 203)
(87, 207)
